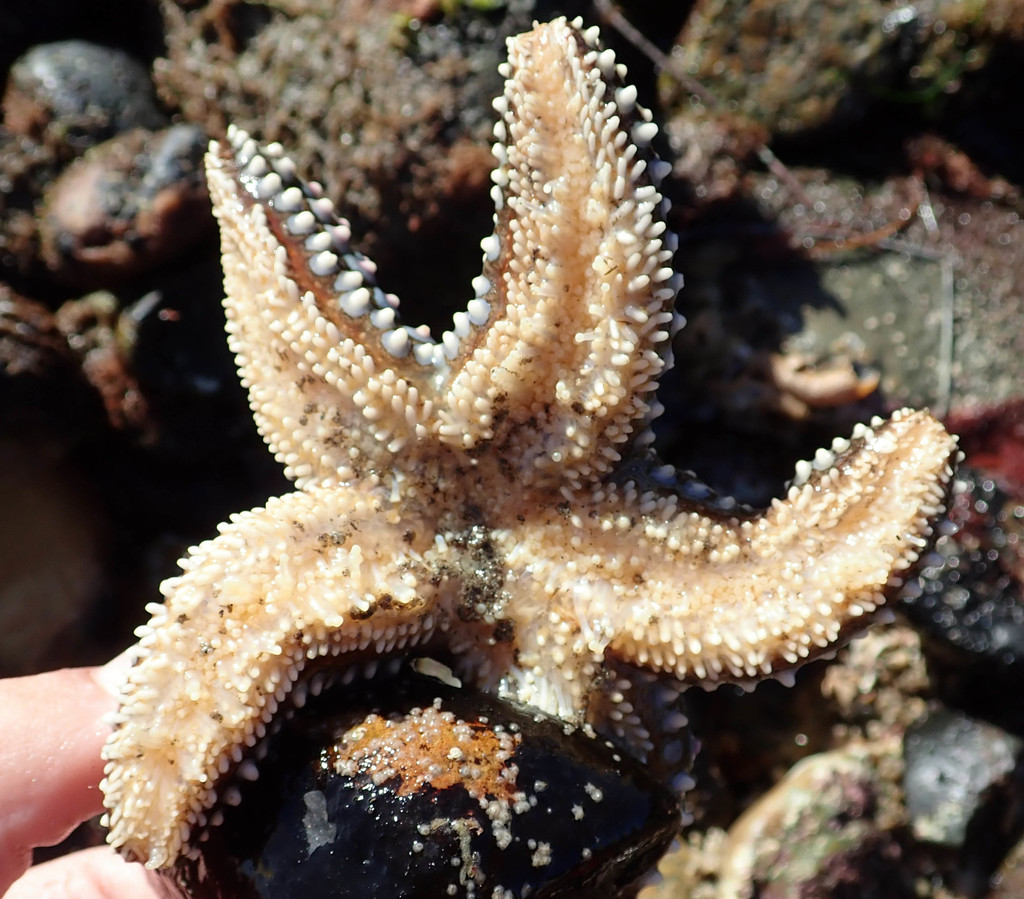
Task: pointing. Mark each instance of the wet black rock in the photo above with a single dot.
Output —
(78, 93)
(413, 788)
(971, 601)
(964, 785)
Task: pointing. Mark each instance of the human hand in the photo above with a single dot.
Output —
(51, 733)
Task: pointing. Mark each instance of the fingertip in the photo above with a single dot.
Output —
(96, 873)
(50, 766)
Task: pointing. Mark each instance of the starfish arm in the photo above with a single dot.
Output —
(314, 337)
(309, 576)
(713, 596)
(578, 288)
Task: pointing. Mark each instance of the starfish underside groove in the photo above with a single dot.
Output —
(490, 497)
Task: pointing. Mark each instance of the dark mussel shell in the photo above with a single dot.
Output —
(404, 786)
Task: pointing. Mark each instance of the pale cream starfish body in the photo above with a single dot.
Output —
(466, 498)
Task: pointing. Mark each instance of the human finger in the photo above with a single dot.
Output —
(51, 734)
(98, 873)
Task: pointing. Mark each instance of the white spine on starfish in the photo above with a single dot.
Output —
(583, 281)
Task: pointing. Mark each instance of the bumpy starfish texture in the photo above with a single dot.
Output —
(490, 498)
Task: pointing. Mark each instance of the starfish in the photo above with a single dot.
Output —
(491, 497)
